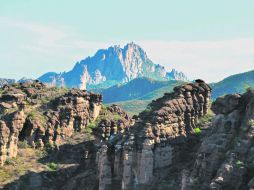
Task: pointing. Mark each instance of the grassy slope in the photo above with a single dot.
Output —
(134, 104)
(137, 105)
(133, 107)
(132, 90)
(161, 91)
(234, 84)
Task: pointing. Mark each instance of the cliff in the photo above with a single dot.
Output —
(164, 149)
(40, 115)
(156, 141)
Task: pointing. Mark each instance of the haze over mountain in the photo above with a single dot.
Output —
(112, 66)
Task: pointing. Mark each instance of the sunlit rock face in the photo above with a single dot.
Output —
(112, 66)
(154, 142)
(41, 115)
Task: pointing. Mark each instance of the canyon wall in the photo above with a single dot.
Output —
(225, 157)
(154, 142)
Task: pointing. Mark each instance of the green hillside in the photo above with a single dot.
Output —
(234, 84)
(135, 95)
(135, 89)
(133, 107)
(138, 93)
(161, 91)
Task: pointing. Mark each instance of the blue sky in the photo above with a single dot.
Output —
(203, 38)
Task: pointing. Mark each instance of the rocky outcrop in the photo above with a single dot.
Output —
(40, 115)
(156, 139)
(112, 66)
(225, 157)
(113, 122)
(168, 147)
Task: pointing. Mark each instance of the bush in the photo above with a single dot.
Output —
(36, 115)
(248, 88)
(23, 144)
(251, 122)
(9, 161)
(239, 163)
(103, 107)
(49, 147)
(52, 166)
(197, 130)
(88, 130)
(204, 120)
(91, 125)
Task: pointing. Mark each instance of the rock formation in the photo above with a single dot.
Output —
(30, 111)
(168, 147)
(119, 123)
(155, 140)
(162, 151)
(225, 157)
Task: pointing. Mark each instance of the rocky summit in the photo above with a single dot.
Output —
(111, 66)
(182, 141)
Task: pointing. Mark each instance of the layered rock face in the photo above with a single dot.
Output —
(119, 123)
(154, 142)
(225, 157)
(30, 111)
(112, 66)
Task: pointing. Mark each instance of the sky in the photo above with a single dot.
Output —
(203, 38)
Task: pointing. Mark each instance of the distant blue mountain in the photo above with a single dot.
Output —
(111, 66)
(4, 81)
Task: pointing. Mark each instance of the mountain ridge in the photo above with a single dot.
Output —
(111, 66)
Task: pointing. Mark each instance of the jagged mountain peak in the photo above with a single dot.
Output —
(114, 65)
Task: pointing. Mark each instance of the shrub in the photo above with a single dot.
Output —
(197, 130)
(49, 147)
(88, 130)
(251, 122)
(116, 117)
(239, 163)
(52, 166)
(248, 88)
(36, 115)
(204, 120)
(103, 107)
(9, 161)
(91, 125)
(23, 144)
